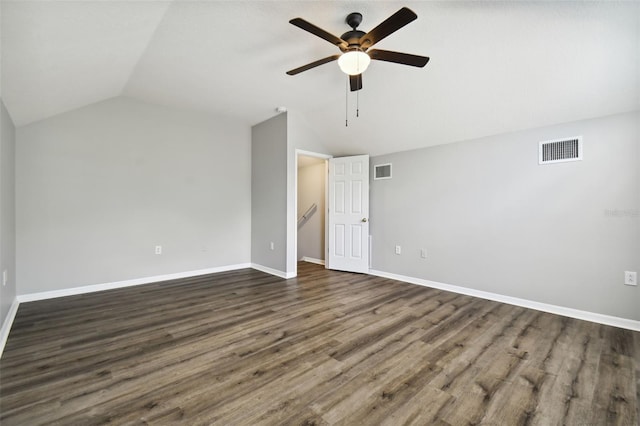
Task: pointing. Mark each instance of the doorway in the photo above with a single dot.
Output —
(311, 207)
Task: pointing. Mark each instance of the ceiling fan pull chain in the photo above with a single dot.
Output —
(358, 103)
(346, 103)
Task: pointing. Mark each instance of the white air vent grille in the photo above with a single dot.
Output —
(382, 171)
(560, 150)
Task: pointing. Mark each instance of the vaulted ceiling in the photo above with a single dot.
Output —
(495, 67)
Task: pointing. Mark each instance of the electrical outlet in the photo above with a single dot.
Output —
(5, 277)
(423, 253)
(158, 249)
(398, 250)
(630, 278)
(272, 245)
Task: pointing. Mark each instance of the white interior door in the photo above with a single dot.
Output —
(349, 213)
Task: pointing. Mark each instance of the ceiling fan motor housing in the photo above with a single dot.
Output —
(353, 38)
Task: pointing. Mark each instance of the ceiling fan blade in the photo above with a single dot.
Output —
(308, 26)
(313, 64)
(355, 81)
(389, 26)
(398, 58)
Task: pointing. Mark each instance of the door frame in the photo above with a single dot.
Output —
(325, 157)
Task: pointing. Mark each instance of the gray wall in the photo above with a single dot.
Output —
(311, 184)
(492, 219)
(99, 187)
(269, 193)
(7, 211)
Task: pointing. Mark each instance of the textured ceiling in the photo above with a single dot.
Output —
(495, 67)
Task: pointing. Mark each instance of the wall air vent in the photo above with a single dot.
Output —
(382, 171)
(560, 150)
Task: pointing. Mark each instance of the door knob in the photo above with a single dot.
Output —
(364, 219)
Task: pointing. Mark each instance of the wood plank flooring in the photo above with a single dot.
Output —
(327, 348)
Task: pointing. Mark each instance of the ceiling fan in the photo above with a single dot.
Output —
(355, 44)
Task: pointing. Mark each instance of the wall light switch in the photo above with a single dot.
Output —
(272, 245)
(5, 277)
(423, 253)
(158, 249)
(398, 250)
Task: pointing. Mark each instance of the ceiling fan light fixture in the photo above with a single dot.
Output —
(354, 62)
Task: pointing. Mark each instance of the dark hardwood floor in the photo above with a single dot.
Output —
(246, 348)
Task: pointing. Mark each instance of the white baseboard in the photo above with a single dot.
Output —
(277, 273)
(126, 283)
(554, 309)
(312, 260)
(6, 325)
(545, 307)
